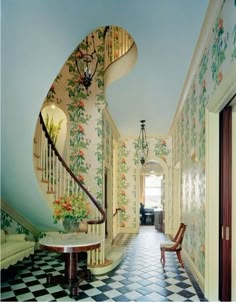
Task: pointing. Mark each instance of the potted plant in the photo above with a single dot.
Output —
(71, 210)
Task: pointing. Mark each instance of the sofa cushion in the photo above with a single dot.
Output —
(3, 236)
(15, 237)
(11, 248)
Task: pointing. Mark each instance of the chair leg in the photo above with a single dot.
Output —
(163, 259)
(180, 258)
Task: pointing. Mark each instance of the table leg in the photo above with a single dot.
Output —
(70, 279)
(71, 262)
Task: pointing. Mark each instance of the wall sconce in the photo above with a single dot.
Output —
(142, 146)
(86, 63)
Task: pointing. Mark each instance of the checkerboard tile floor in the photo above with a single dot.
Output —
(139, 277)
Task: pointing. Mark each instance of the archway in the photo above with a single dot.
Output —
(156, 169)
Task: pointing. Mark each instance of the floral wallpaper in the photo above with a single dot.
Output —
(128, 167)
(117, 43)
(90, 137)
(123, 184)
(10, 226)
(189, 132)
(84, 112)
(107, 142)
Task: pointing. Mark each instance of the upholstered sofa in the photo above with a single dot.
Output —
(14, 248)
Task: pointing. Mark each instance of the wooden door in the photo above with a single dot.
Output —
(225, 204)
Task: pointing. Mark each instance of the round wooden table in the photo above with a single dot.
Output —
(69, 244)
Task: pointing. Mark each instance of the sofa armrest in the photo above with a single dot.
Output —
(15, 237)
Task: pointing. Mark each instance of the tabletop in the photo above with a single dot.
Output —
(71, 242)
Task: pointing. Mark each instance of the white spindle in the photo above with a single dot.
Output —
(57, 184)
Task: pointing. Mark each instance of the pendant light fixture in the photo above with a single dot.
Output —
(86, 63)
(142, 146)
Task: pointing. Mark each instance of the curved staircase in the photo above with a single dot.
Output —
(56, 178)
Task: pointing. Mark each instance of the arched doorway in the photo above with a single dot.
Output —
(153, 194)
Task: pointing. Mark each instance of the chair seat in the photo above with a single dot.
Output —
(169, 244)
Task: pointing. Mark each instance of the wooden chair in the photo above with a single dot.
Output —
(174, 246)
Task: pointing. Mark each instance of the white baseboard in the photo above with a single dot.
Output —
(197, 275)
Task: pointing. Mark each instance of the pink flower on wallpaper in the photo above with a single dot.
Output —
(220, 24)
(81, 153)
(163, 142)
(123, 161)
(123, 144)
(80, 128)
(79, 54)
(123, 176)
(220, 76)
(52, 89)
(81, 104)
(81, 178)
(123, 193)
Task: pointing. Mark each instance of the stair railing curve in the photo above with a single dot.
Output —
(94, 201)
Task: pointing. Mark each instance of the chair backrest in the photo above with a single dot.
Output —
(180, 234)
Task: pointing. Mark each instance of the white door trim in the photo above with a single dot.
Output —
(216, 104)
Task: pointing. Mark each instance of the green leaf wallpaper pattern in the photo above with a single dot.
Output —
(122, 182)
(52, 95)
(190, 131)
(218, 50)
(10, 226)
(234, 43)
(161, 149)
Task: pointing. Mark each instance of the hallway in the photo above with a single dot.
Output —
(140, 276)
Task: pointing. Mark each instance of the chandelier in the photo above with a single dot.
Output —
(86, 63)
(142, 145)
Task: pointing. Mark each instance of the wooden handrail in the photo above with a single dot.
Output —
(116, 212)
(100, 209)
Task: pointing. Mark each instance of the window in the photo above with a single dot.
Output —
(152, 191)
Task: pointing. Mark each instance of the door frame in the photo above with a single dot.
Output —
(233, 277)
(225, 208)
(216, 104)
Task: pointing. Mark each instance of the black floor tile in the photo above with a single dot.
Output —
(141, 272)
